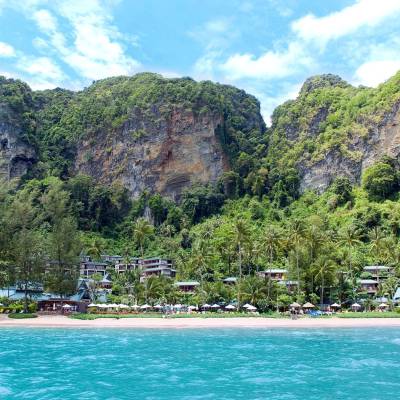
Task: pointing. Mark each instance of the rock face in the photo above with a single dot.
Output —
(333, 129)
(16, 156)
(383, 139)
(158, 153)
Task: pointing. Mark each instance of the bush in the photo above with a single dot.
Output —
(22, 316)
(380, 181)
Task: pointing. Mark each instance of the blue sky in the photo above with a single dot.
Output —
(267, 47)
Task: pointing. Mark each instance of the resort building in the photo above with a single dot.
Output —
(89, 268)
(156, 267)
(106, 282)
(187, 287)
(369, 285)
(275, 274)
(378, 271)
(111, 259)
(121, 267)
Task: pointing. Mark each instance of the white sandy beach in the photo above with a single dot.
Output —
(188, 323)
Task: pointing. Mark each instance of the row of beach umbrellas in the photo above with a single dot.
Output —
(334, 305)
(248, 307)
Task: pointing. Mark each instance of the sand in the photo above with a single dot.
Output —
(188, 323)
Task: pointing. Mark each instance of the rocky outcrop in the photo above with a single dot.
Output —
(156, 151)
(383, 139)
(334, 129)
(16, 156)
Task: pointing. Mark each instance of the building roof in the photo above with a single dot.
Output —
(230, 279)
(274, 271)
(156, 269)
(288, 283)
(376, 268)
(396, 296)
(368, 282)
(188, 283)
(94, 264)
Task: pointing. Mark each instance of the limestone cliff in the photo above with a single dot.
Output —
(160, 135)
(156, 152)
(334, 129)
(17, 154)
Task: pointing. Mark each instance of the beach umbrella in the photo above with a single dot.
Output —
(308, 305)
(205, 306)
(335, 305)
(355, 305)
(230, 307)
(145, 307)
(67, 306)
(124, 306)
(178, 306)
(215, 306)
(192, 308)
(92, 305)
(383, 305)
(251, 308)
(102, 305)
(135, 306)
(158, 306)
(247, 305)
(295, 305)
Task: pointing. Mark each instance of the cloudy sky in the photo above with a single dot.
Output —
(267, 47)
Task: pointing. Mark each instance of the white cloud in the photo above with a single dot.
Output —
(41, 72)
(270, 65)
(364, 13)
(372, 73)
(6, 50)
(45, 21)
(97, 50)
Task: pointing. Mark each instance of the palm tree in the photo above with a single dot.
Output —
(142, 229)
(272, 243)
(324, 270)
(242, 234)
(350, 238)
(253, 289)
(296, 237)
(377, 241)
(95, 249)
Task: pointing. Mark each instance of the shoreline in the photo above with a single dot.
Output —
(199, 323)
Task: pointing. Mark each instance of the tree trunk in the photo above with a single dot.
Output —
(298, 272)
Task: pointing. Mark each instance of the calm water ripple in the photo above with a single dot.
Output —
(57, 364)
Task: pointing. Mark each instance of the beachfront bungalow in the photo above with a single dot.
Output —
(106, 282)
(231, 280)
(369, 285)
(187, 287)
(61, 306)
(377, 271)
(89, 268)
(275, 274)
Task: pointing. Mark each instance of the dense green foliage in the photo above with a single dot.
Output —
(253, 219)
(326, 117)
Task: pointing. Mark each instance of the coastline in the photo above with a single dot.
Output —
(199, 323)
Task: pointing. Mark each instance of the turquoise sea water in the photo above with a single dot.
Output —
(199, 364)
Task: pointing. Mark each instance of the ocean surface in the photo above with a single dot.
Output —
(63, 364)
